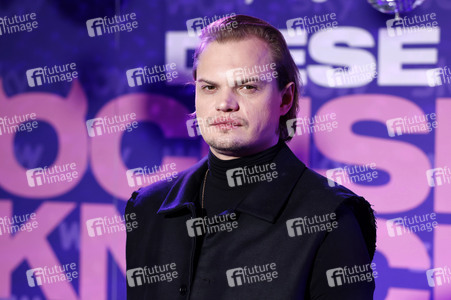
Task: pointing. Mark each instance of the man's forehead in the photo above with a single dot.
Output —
(231, 54)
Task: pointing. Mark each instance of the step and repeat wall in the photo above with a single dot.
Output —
(95, 102)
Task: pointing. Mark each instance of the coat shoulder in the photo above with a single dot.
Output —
(335, 198)
(153, 195)
(322, 188)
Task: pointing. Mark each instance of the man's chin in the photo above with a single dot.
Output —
(227, 145)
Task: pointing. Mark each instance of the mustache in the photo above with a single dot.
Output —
(226, 119)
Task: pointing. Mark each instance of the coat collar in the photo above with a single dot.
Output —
(265, 200)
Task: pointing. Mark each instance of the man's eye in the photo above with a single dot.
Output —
(208, 87)
(248, 87)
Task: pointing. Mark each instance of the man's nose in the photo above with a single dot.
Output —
(227, 102)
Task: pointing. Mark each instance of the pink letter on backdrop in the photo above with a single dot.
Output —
(106, 161)
(442, 258)
(94, 252)
(442, 202)
(300, 143)
(404, 294)
(405, 251)
(405, 163)
(34, 247)
(66, 116)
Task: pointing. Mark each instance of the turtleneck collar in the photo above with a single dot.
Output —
(219, 167)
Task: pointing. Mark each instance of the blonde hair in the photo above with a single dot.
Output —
(244, 26)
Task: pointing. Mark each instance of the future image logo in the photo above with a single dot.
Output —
(256, 73)
(251, 174)
(310, 25)
(438, 76)
(351, 174)
(411, 124)
(111, 124)
(348, 275)
(53, 74)
(249, 275)
(438, 276)
(149, 275)
(148, 75)
(18, 23)
(309, 225)
(407, 225)
(53, 274)
(310, 125)
(145, 175)
(196, 25)
(400, 26)
(210, 225)
(52, 175)
(120, 23)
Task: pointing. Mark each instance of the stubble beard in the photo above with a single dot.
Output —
(226, 144)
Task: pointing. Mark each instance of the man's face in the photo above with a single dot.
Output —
(238, 118)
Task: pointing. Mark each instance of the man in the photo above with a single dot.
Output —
(250, 221)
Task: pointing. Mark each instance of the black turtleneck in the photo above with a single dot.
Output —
(219, 196)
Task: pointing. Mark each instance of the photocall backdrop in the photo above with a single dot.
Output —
(81, 120)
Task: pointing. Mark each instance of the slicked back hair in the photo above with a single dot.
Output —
(242, 27)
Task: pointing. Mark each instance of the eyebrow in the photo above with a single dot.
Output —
(207, 81)
(247, 80)
(243, 82)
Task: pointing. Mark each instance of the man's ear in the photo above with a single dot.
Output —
(287, 98)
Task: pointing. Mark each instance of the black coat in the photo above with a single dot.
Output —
(269, 253)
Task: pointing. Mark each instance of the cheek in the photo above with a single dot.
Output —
(200, 105)
(272, 108)
(263, 112)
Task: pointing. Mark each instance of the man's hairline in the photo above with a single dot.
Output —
(231, 39)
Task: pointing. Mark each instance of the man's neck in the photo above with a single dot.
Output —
(225, 155)
(219, 167)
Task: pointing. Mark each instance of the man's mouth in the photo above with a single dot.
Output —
(225, 121)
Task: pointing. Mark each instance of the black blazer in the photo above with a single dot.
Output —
(277, 248)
